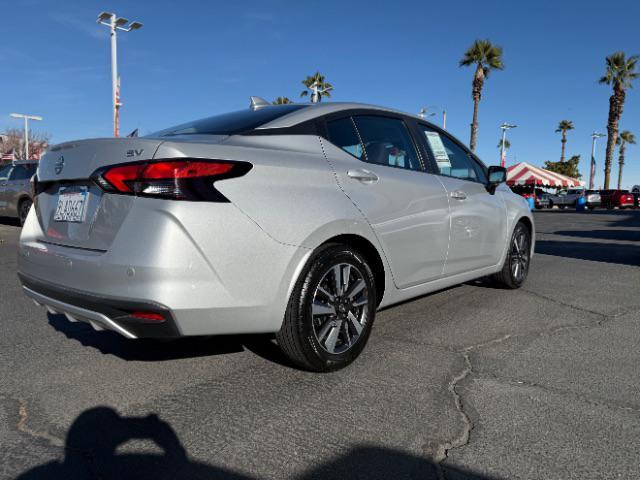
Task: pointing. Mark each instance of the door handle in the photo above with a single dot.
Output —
(362, 175)
(458, 195)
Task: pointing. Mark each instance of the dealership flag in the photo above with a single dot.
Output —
(7, 156)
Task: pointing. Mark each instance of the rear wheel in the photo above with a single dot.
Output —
(516, 266)
(330, 312)
(23, 210)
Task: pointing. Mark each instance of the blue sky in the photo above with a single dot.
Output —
(197, 58)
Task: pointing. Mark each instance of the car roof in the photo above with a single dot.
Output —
(314, 110)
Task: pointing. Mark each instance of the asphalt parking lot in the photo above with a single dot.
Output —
(468, 383)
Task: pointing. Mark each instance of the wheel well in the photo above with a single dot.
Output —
(526, 221)
(366, 248)
(21, 200)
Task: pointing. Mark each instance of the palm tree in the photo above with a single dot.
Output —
(486, 57)
(620, 74)
(281, 101)
(625, 137)
(507, 144)
(564, 126)
(324, 87)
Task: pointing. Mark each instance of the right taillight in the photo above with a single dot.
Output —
(177, 179)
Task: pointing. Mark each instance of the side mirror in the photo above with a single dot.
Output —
(497, 175)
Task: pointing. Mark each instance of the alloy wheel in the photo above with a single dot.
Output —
(340, 308)
(520, 255)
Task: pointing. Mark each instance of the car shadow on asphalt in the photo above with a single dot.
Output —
(594, 251)
(96, 447)
(152, 350)
(12, 222)
(622, 235)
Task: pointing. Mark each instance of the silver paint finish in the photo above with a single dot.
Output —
(230, 267)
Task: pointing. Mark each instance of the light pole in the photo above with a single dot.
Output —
(316, 92)
(116, 23)
(592, 175)
(26, 130)
(503, 152)
(423, 114)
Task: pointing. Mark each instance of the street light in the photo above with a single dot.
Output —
(116, 23)
(423, 113)
(26, 129)
(592, 176)
(503, 152)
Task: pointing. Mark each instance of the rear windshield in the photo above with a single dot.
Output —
(230, 123)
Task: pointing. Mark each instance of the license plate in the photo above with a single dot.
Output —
(72, 205)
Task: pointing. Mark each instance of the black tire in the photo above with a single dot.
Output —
(305, 336)
(23, 210)
(507, 278)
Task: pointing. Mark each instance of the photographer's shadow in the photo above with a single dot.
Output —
(92, 451)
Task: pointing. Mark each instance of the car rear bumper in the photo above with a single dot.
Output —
(102, 313)
(211, 270)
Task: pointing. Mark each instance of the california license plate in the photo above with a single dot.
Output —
(72, 205)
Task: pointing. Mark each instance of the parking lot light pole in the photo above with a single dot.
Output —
(592, 174)
(26, 130)
(116, 23)
(503, 151)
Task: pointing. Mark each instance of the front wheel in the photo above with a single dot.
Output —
(516, 265)
(330, 312)
(23, 210)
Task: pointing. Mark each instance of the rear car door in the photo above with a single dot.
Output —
(478, 218)
(378, 166)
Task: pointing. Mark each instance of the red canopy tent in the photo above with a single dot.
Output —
(524, 174)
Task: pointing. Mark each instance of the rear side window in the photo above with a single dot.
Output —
(387, 142)
(231, 123)
(22, 172)
(343, 134)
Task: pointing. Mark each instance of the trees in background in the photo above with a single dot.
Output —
(12, 140)
(486, 57)
(626, 137)
(563, 127)
(620, 73)
(323, 87)
(568, 168)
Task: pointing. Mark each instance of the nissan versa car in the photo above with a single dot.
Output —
(301, 220)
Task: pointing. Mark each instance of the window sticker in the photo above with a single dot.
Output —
(437, 147)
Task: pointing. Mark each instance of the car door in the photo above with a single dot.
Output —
(379, 168)
(478, 217)
(4, 180)
(18, 182)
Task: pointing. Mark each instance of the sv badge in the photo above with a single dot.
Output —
(134, 153)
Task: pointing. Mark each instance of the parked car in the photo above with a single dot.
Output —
(617, 199)
(15, 189)
(569, 198)
(636, 199)
(542, 201)
(298, 219)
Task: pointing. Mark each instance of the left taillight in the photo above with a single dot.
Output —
(177, 179)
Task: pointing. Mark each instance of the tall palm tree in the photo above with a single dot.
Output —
(626, 137)
(324, 87)
(564, 126)
(507, 144)
(620, 73)
(486, 57)
(281, 101)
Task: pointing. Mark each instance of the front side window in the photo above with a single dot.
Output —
(452, 159)
(387, 142)
(343, 134)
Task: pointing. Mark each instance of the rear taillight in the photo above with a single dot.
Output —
(179, 179)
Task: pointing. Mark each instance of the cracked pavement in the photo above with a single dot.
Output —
(467, 383)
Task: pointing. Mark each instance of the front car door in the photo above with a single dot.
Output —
(478, 217)
(379, 167)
